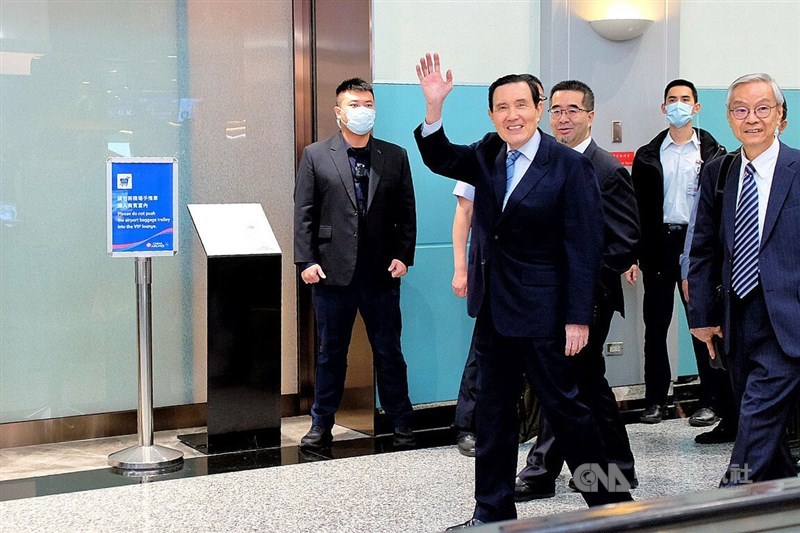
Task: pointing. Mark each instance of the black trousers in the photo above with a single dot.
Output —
(501, 362)
(546, 458)
(335, 309)
(660, 281)
(467, 391)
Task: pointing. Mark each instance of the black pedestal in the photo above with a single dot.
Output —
(244, 355)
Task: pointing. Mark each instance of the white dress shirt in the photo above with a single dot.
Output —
(765, 169)
(681, 165)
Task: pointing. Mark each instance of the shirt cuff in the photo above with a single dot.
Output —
(428, 129)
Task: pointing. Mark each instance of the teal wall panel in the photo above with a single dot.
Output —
(436, 328)
(401, 108)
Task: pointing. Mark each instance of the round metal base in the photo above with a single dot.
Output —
(148, 458)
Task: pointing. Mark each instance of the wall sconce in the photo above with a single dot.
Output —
(619, 29)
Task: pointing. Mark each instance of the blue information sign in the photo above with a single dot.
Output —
(142, 206)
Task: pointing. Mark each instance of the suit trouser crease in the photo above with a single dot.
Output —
(501, 361)
(335, 310)
(766, 385)
(546, 458)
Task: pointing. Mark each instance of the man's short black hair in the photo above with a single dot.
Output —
(354, 84)
(681, 83)
(578, 86)
(530, 79)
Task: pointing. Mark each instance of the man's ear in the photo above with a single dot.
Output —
(697, 107)
(664, 108)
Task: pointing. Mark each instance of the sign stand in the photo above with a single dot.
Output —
(145, 456)
(142, 223)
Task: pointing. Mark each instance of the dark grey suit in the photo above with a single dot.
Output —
(621, 223)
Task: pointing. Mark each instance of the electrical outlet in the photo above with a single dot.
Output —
(614, 348)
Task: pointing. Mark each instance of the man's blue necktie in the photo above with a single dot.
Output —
(744, 277)
(511, 157)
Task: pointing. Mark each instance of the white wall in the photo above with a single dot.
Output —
(479, 40)
(721, 40)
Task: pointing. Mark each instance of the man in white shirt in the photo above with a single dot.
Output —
(752, 251)
(665, 176)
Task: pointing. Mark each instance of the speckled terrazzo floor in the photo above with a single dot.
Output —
(418, 490)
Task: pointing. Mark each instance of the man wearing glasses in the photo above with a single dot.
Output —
(666, 175)
(753, 250)
(571, 115)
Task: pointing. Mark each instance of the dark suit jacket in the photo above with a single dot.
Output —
(540, 256)
(326, 229)
(621, 218)
(778, 258)
(648, 182)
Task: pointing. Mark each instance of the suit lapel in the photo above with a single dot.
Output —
(729, 203)
(781, 182)
(500, 176)
(376, 161)
(342, 163)
(536, 171)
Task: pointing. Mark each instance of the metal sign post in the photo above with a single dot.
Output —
(142, 223)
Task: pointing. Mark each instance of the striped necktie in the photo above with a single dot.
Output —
(744, 277)
(511, 157)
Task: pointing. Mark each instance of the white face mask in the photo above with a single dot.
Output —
(679, 113)
(360, 120)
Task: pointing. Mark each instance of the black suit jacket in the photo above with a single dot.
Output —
(648, 182)
(621, 218)
(540, 256)
(326, 228)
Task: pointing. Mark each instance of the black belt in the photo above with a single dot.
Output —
(676, 227)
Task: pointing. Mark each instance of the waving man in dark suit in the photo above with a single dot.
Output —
(534, 261)
(354, 235)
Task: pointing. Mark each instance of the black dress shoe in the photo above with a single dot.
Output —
(472, 522)
(403, 439)
(317, 438)
(718, 435)
(703, 417)
(466, 444)
(536, 489)
(653, 414)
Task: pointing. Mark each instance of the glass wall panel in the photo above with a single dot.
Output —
(84, 80)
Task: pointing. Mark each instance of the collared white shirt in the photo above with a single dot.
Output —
(521, 165)
(681, 165)
(765, 169)
(583, 145)
(523, 162)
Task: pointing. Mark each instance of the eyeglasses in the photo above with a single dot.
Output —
(542, 98)
(571, 112)
(742, 112)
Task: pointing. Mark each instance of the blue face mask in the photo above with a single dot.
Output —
(679, 114)
(360, 120)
